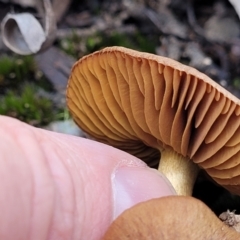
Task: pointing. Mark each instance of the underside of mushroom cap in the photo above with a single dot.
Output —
(132, 100)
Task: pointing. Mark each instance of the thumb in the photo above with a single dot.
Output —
(136, 183)
(56, 186)
(108, 181)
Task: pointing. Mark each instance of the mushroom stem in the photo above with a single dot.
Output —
(179, 170)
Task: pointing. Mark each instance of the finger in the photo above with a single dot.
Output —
(67, 187)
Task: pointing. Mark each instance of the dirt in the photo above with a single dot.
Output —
(231, 219)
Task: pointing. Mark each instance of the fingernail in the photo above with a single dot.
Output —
(132, 185)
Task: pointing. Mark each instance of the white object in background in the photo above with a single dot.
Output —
(23, 33)
(236, 5)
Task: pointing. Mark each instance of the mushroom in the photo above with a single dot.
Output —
(173, 217)
(145, 104)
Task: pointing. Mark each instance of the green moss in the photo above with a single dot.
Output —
(71, 45)
(135, 41)
(27, 106)
(20, 82)
(236, 83)
(7, 66)
(99, 41)
(145, 44)
(63, 114)
(20, 67)
(79, 46)
(14, 70)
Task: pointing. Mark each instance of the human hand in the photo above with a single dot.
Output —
(55, 186)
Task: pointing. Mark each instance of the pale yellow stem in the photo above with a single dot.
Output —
(180, 171)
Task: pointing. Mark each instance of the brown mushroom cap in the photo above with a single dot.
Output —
(131, 100)
(168, 218)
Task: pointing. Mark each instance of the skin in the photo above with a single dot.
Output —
(55, 186)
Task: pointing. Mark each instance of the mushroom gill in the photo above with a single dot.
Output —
(144, 103)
